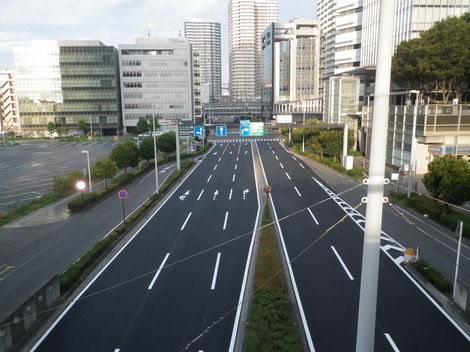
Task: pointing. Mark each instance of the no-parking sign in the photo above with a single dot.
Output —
(122, 194)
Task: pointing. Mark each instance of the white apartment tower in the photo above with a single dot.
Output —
(411, 18)
(247, 20)
(205, 38)
(157, 80)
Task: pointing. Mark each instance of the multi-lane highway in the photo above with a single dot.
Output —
(180, 280)
(173, 280)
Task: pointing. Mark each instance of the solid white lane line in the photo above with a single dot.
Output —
(303, 167)
(342, 263)
(225, 221)
(392, 343)
(158, 271)
(281, 165)
(313, 216)
(230, 195)
(233, 178)
(276, 157)
(200, 194)
(209, 178)
(236, 165)
(297, 191)
(287, 175)
(216, 269)
(187, 218)
(215, 167)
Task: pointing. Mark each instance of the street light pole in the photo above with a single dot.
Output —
(88, 163)
(303, 126)
(91, 128)
(155, 155)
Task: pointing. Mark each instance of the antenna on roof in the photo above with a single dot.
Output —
(179, 34)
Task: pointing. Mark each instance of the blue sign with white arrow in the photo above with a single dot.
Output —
(244, 130)
(221, 131)
(199, 131)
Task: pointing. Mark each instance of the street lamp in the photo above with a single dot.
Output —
(155, 155)
(88, 162)
(303, 125)
(80, 185)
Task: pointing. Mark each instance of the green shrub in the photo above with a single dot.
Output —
(65, 184)
(451, 221)
(425, 205)
(78, 204)
(433, 276)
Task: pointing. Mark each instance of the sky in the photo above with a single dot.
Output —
(117, 21)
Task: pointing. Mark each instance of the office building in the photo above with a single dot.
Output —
(67, 81)
(411, 18)
(247, 20)
(9, 112)
(157, 80)
(204, 36)
(290, 65)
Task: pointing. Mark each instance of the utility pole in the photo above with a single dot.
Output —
(460, 228)
(371, 248)
(178, 161)
(345, 144)
(157, 189)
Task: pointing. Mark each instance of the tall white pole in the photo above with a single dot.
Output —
(371, 250)
(157, 189)
(178, 161)
(345, 143)
(91, 128)
(303, 132)
(458, 258)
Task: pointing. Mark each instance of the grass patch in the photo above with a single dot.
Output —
(433, 209)
(76, 272)
(29, 207)
(433, 276)
(271, 326)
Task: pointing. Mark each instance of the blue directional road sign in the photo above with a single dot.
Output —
(245, 127)
(199, 131)
(221, 131)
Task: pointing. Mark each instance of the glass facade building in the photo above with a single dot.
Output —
(67, 81)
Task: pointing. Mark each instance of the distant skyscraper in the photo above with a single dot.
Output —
(411, 18)
(67, 81)
(205, 39)
(247, 20)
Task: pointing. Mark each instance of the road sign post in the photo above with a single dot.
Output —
(221, 131)
(244, 128)
(122, 194)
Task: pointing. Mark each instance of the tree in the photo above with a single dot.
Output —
(146, 149)
(167, 142)
(143, 125)
(83, 126)
(125, 154)
(448, 179)
(439, 58)
(104, 167)
(51, 128)
(65, 184)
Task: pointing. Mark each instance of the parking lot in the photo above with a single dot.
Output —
(27, 169)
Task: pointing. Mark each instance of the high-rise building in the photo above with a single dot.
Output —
(9, 113)
(67, 81)
(157, 79)
(411, 18)
(205, 38)
(247, 19)
(290, 63)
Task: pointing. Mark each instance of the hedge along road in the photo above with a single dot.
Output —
(29, 167)
(34, 254)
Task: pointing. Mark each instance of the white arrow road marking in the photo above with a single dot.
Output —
(233, 178)
(225, 221)
(186, 221)
(245, 191)
(246, 144)
(231, 152)
(342, 263)
(183, 196)
(313, 216)
(230, 195)
(216, 269)
(158, 271)
(297, 191)
(287, 175)
(392, 343)
(215, 194)
(214, 153)
(209, 178)
(246, 151)
(200, 194)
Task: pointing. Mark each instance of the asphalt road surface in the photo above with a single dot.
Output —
(326, 256)
(174, 279)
